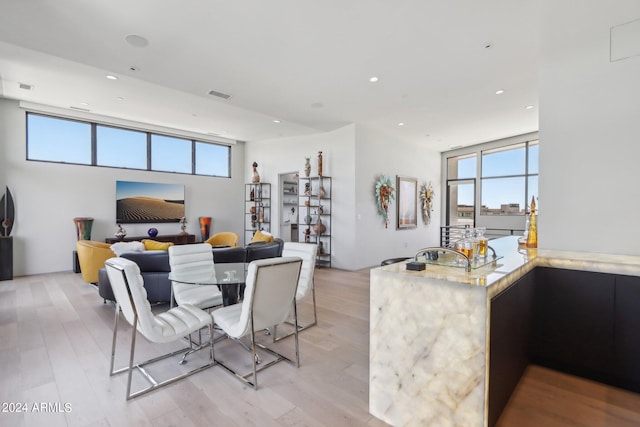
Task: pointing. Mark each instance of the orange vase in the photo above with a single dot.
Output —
(205, 227)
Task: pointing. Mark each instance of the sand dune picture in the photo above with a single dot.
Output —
(141, 202)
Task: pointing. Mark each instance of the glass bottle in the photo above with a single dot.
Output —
(465, 245)
(532, 235)
(483, 242)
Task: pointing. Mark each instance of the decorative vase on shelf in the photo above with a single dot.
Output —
(205, 227)
(256, 176)
(152, 232)
(319, 163)
(120, 233)
(307, 166)
(319, 227)
(320, 248)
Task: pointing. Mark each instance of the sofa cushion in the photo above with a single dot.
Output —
(154, 245)
(262, 236)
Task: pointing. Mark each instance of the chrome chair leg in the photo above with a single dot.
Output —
(299, 327)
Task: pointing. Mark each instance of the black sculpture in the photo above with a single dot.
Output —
(8, 213)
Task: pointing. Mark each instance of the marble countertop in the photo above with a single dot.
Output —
(515, 262)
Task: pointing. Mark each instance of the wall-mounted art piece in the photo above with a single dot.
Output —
(147, 202)
(385, 193)
(407, 203)
(426, 202)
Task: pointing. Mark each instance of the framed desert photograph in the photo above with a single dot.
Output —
(147, 202)
(407, 215)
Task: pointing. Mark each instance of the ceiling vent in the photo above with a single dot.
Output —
(219, 94)
(25, 86)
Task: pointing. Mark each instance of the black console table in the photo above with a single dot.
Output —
(176, 239)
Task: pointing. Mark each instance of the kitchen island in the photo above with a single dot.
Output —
(430, 332)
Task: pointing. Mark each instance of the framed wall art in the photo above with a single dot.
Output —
(147, 202)
(407, 206)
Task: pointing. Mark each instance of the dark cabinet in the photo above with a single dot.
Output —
(510, 319)
(580, 322)
(177, 239)
(627, 332)
(574, 321)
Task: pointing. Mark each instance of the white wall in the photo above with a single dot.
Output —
(49, 195)
(288, 154)
(379, 154)
(354, 156)
(589, 130)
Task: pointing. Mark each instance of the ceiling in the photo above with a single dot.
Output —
(304, 63)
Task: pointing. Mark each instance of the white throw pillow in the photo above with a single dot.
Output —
(120, 248)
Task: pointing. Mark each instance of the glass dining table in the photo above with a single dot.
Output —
(227, 276)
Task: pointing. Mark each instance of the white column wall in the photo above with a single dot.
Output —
(589, 130)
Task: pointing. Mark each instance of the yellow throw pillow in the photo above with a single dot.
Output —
(153, 245)
(262, 236)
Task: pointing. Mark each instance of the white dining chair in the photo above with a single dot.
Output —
(172, 325)
(270, 297)
(194, 258)
(306, 287)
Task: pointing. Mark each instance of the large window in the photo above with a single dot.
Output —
(54, 139)
(121, 148)
(509, 179)
(493, 179)
(461, 190)
(58, 140)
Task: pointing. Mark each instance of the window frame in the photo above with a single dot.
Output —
(528, 140)
(149, 133)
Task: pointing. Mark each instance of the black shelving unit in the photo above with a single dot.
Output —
(257, 209)
(315, 205)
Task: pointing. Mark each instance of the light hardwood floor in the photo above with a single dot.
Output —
(547, 398)
(55, 342)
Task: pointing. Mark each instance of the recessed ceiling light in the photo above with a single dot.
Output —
(488, 45)
(373, 79)
(529, 107)
(84, 104)
(119, 98)
(111, 77)
(133, 68)
(401, 124)
(136, 40)
(499, 92)
(276, 121)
